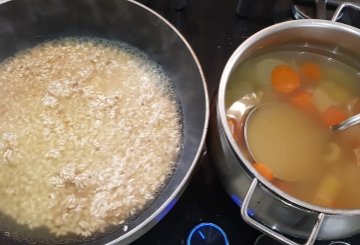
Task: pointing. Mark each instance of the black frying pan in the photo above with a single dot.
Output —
(25, 23)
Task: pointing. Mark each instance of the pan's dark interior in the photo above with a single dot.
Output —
(25, 23)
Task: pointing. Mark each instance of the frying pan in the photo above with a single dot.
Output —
(25, 23)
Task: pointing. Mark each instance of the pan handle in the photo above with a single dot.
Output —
(270, 232)
(340, 8)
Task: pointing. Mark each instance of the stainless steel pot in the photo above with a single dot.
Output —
(25, 23)
(262, 204)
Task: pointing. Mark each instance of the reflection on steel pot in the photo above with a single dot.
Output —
(24, 24)
(263, 205)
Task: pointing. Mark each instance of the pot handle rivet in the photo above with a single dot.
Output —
(281, 238)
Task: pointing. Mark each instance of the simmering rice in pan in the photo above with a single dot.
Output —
(89, 133)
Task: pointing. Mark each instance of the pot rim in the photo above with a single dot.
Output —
(232, 64)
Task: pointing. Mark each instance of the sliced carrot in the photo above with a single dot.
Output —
(311, 71)
(285, 79)
(333, 115)
(303, 99)
(283, 185)
(264, 170)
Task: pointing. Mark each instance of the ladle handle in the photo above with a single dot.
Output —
(279, 237)
(351, 121)
(340, 8)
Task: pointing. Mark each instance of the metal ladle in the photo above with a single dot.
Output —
(351, 121)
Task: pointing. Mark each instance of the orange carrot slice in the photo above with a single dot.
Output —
(283, 185)
(264, 170)
(234, 128)
(284, 79)
(311, 71)
(333, 115)
(303, 100)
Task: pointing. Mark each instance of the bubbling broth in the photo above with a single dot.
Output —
(89, 133)
(299, 95)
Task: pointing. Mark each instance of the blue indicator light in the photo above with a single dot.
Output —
(207, 233)
(202, 235)
(238, 202)
(166, 210)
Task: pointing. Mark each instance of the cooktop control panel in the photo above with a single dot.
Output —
(207, 234)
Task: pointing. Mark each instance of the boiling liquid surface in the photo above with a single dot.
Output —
(89, 133)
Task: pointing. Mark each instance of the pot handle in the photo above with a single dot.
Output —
(270, 232)
(340, 8)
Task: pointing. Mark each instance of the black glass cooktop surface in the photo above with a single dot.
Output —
(214, 29)
(205, 214)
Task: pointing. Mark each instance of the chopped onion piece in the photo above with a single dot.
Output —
(322, 100)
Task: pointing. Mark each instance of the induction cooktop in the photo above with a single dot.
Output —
(205, 214)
